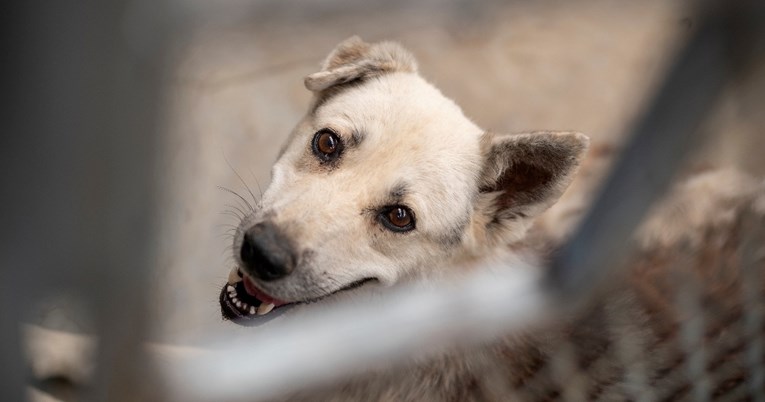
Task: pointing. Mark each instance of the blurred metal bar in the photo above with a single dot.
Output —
(137, 47)
(730, 36)
(78, 178)
(658, 145)
(753, 279)
(320, 348)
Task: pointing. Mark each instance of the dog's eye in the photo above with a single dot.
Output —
(327, 146)
(397, 218)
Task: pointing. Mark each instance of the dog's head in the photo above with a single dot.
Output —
(384, 180)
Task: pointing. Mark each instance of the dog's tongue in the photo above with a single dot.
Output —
(253, 291)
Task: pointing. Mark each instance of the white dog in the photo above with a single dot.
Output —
(385, 180)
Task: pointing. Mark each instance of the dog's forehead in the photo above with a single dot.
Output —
(399, 108)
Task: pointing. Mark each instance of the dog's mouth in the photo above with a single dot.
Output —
(243, 303)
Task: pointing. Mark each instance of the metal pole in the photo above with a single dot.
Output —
(78, 174)
(657, 146)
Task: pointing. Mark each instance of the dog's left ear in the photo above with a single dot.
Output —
(523, 175)
(354, 60)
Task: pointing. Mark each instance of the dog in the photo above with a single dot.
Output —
(385, 181)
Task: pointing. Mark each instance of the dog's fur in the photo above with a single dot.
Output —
(474, 195)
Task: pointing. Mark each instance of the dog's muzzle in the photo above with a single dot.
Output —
(242, 302)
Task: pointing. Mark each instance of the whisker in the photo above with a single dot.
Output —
(231, 214)
(230, 229)
(228, 190)
(223, 235)
(257, 183)
(238, 209)
(255, 199)
(228, 258)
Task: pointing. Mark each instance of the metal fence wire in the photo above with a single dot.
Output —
(706, 313)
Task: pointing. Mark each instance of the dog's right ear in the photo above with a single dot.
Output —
(354, 60)
(523, 175)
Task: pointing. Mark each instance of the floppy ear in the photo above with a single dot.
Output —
(354, 59)
(522, 176)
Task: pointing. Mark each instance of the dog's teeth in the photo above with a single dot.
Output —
(233, 276)
(234, 300)
(265, 308)
(231, 288)
(252, 310)
(244, 306)
(238, 304)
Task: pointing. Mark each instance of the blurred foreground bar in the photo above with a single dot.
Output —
(78, 157)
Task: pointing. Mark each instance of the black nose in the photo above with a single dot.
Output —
(266, 253)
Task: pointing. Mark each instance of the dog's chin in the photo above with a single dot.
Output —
(242, 303)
